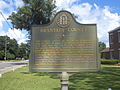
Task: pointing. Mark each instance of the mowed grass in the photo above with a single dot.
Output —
(22, 79)
(108, 77)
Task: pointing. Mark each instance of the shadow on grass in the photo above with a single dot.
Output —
(25, 72)
(107, 78)
(51, 75)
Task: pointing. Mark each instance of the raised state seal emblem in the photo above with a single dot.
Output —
(63, 20)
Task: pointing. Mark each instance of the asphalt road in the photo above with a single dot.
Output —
(8, 66)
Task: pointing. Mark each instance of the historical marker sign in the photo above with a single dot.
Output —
(64, 45)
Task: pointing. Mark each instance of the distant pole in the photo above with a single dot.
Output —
(5, 47)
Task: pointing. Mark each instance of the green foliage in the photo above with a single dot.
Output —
(101, 46)
(2, 54)
(12, 47)
(21, 79)
(110, 62)
(34, 12)
(13, 50)
(2, 42)
(10, 56)
(24, 50)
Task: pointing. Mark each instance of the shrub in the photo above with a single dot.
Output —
(105, 61)
(2, 55)
(10, 56)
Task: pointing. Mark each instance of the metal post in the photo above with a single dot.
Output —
(64, 81)
(5, 47)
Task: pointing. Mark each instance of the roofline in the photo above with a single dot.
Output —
(118, 28)
(106, 48)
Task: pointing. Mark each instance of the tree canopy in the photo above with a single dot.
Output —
(13, 49)
(101, 46)
(34, 12)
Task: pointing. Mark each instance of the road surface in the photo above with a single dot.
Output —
(8, 66)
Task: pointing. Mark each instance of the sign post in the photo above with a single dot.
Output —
(64, 45)
(64, 81)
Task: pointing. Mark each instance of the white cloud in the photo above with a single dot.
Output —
(87, 13)
(3, 5)
(2, 33)
(19, 35)
(19, 3)
(83, 10)
(65, 4)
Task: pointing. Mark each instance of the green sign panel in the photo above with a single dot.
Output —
(64, 45)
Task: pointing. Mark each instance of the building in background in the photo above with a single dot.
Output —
(114, 43)
(113, 52)
(105, 53)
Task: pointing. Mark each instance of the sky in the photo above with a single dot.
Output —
(104, 13)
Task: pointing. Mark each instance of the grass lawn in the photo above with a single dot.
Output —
(11, 60)
(21, 79)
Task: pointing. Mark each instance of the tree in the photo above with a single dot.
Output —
(11, 47)
(2, 54)
(13, 50)
(34, 12)
(2, 42)
(101, 46)
(10, 56)
(24, 50)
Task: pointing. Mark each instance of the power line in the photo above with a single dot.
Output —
(5, 19)
(14, 31)
(12, 28)
(13, 1)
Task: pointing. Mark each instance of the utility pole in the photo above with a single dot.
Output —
(5, 47)
(5, 36)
